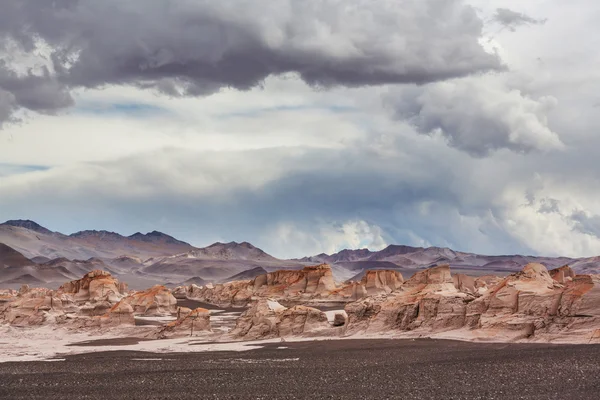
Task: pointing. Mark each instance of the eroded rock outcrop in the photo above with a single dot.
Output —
(190, 323)
(267, 319)
(563, 274)
(529, 305)
(96, 293)
(310, 283)
(96, 300)
(156, 301)
(428, 300)
(238, 293)
(34, 307)
(95, 286)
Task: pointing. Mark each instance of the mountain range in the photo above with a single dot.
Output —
(32, 254)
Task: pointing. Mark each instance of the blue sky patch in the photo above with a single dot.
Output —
(16, 169)
(119, 109)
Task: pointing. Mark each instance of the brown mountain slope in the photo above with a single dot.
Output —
(9, 257)
(86, 244)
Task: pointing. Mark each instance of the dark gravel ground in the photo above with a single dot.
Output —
(336, 369)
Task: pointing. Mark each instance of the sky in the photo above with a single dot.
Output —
(306, 126)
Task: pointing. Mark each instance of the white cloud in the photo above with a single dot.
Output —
(324, 237)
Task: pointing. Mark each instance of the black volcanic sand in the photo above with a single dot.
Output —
(124, 341)
(336, 369)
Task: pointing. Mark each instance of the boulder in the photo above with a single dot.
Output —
(191, 323)
(302, 321)
(156, 301)
(96, 286)
(339, 319)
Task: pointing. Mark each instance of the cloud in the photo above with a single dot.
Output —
(477, 116)
(548, 206)
(290, 201)
(512, 19)
(194, 48)
(38, 91)
(586, 223)
(324, 237)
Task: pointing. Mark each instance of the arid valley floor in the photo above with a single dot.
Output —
(408, 322)
(333, 369)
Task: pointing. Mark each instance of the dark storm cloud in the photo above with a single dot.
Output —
(34, 91)
(197, 47)
(512, 19)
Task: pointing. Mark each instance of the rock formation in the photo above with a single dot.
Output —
(268, 319)
(533, 305)
(428, 300)
(562, 274)
(528, 305)
(190, 323)
(34, 307)
(156, 301)
(313, 283)
(95, 285)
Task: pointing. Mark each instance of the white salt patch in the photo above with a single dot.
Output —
(275, 306)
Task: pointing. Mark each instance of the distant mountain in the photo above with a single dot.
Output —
(27, 224)
(157, 237)
(407, 257)
(25, 279)
(218, 261)
(245, 275)
(33, 240)
(9, 257)
(231, 251)
(194, 281)
(93, 234)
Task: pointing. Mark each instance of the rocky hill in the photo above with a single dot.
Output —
(33, 240)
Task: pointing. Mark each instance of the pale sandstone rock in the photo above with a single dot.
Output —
(120, 314)
(311, 281)
(428, 300)
(96, 285)
(563, 274)
(258, 322)
(381, 281)
(33, 307)
(268, 319)
(308, 283)
(193, 323)
(302, 321)
(156, 301)
(238, 293)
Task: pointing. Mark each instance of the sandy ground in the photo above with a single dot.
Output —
(48, 342)
(34, 344)
(335, 369)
